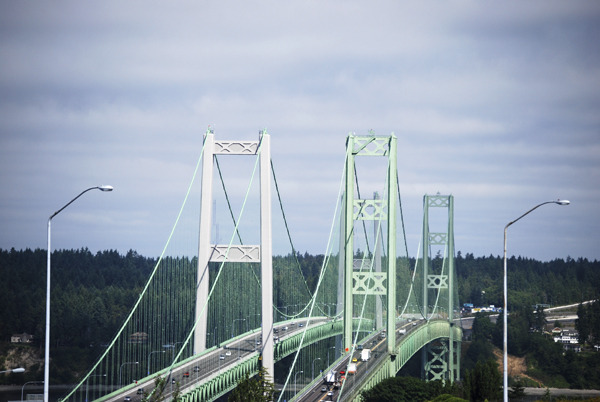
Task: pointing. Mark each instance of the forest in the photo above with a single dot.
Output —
(92, 294)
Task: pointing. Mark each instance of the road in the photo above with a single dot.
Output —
(213, 363)
(378, 345)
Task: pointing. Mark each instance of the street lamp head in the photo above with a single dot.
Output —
(17, 370)
(562, 202)
(105, 188)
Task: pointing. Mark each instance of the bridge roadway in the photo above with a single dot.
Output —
(377, 342)
(210, 363)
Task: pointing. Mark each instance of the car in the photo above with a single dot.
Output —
(330, 393)
(414, 324)
(221, 357)
(342, 372)
(300, 325)
(285, 328)
(324, 389)
(173, 381)
(258, 342)
(140, 391)
(196, 369)
(359, 347)
(276, 330)
(228, 353)
(354, 360)
(186, 374)
(127, 398)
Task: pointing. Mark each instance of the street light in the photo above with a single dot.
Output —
(47, 344)
(313, 367)
(505, 333)
(172, 346)
(29, 382)
(283, 316)
(17, 370)
(87, 385)
(150, 354)
(295, 383)
(120, 376)
(233, 327)
(233, 324)
(333, 347)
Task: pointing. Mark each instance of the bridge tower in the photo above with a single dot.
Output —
(440, 360)
(354, 210)
(262, 253)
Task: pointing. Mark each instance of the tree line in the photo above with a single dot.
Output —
(93, 293)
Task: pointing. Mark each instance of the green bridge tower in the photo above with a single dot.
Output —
(441, 359)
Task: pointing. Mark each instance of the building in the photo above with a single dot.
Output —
(21, 338)
(138, 337)
(568, 338)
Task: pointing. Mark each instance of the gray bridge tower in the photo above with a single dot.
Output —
(262, 253)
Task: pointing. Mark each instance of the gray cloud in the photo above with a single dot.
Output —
(494, 104)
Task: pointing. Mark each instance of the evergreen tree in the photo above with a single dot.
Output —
(484, 382)
(157, 394)
(583, 324)
(517, 390)
(396, 389)
(255, 389)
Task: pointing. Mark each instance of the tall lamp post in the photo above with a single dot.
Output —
(29, 382)
(505, 333)
(150, 354)
(313, 367)
(233, 327)
(233, 324)
(87, 384)
(120, 376)
(295, 383)
(47, 344)
(333, 347)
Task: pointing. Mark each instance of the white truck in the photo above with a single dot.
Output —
(365, 355)
(352, 368)
(330, 377)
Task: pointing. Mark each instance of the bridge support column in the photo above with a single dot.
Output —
(204, 246)
(266, 255)
(262, 253)
(370, 282)
(439, 288)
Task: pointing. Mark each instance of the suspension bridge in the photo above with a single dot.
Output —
(219, 305)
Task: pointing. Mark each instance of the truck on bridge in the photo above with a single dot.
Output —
(330, 377)
(365, 355)
(352, 368)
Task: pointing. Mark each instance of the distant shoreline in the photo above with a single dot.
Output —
(6, 388)
(562, 392)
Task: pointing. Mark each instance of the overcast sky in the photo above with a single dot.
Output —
(495, 103)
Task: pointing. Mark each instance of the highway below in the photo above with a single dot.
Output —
(208, 365)
(377, 343)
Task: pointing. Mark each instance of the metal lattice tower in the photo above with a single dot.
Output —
(440, 360)
(262, 253)
(376, 282)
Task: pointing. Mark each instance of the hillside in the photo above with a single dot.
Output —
(92, 294)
